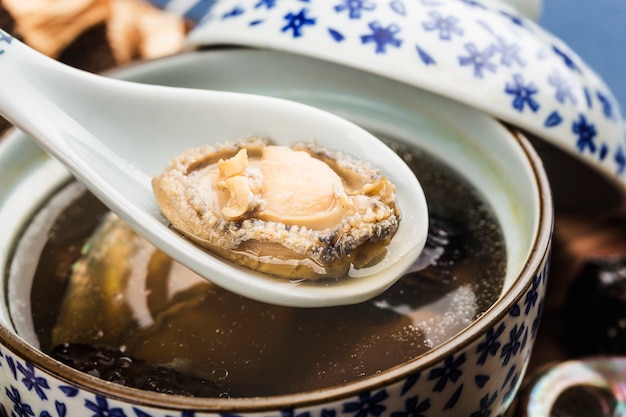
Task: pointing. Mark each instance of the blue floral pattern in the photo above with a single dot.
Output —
(460, 381)
(486, 57)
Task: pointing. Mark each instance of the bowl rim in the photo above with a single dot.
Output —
(538, 256)
(524, 281)
(496, 312)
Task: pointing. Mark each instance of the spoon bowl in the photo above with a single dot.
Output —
(114, 136)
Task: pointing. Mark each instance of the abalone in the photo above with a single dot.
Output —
(302, 212)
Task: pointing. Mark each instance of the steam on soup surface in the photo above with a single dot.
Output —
(108, 303)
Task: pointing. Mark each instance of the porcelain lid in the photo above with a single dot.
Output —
(485, 53)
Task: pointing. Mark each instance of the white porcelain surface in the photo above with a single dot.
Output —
(476, 373)
(481, 53)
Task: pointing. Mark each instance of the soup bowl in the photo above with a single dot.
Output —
(475, 370)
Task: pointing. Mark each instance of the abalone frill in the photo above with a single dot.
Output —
(301, 212)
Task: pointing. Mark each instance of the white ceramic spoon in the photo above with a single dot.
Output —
(114, 136)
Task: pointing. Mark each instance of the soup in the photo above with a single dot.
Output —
(104, 301)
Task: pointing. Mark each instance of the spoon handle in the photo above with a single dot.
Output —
(24, 95)
(43, 97)
(115, 135)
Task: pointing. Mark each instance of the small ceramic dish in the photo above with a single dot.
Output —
(475, 371)
(590, 386)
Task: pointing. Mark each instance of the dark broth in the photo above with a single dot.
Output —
(204, 341)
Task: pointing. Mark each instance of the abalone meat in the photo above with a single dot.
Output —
(302, 212)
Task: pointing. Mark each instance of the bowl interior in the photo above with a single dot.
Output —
(487, 154)
(470, 141)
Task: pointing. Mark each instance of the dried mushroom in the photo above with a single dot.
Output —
(134, 29)
(295, 212)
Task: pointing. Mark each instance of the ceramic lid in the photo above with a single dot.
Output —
(488, 54)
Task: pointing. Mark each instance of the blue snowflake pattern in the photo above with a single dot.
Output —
(69, 391)
(509, 53)
(509, 375)
(269, 4)
(537, 319)
(61, 408)
(20, 408)
(586, 133)
(620, 160)
(11, 364)
(553, 119)
(382, 36)
(426, 58)
(569, 62)
(454, 398)
(292, 413)
(336, 35)
(446, 26)
(563, 88)
(604, 151)
(236, 11)
(398, 7)
(485, 405)
(481, 380)
(450, 371)
(478, 60)
(490, 345)
(607, 107)
(32, 381)
(410, 382)
(532, 295)
(101, 408)
(413, 408)
(367, 405)
(511, 348)
(486, 26)
(296, 21)
(523, 94)
(588, 97)
(515, 311)
(516, 20)
(512, 380)
(355, 7)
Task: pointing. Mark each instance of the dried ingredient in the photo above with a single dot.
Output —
(135, 29)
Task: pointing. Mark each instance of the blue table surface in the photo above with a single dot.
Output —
(596, 30)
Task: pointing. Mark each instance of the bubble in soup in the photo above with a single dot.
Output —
(125, 312)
